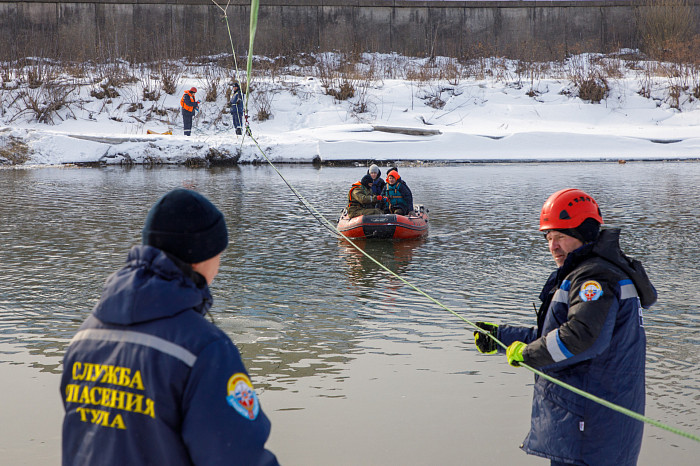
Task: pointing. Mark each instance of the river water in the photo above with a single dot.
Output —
(352, 366)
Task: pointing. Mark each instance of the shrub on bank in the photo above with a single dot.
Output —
(13, 151)
(50, 93)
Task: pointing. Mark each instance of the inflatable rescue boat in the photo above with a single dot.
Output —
(385, 226)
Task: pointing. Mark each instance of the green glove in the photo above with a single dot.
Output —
(514, 353)
(484, 343)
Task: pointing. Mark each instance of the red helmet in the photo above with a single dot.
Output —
(193, 90)
(568, 208)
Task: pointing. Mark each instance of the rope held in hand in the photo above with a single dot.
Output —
(334, 229)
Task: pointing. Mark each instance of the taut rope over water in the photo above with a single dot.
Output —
(318, 215)
(233, 50)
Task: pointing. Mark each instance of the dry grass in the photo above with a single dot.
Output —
(264, 95)
(44, 103)
(169, 75)
(337, 76)
(664, 22)
(594, 87)
(13, 151)
(212, 82)
(44, 91)
(588, 78)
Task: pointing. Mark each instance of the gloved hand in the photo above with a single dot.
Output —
(484, 344)
(381, 198)
(514, 353)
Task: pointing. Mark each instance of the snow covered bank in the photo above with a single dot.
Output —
(497, 114)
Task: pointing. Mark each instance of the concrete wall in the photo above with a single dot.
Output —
(151, 29)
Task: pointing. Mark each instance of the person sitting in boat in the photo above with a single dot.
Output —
(397, 194)
(361, 200)
(377, 181)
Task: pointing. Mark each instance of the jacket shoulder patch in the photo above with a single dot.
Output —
(590, 291)
(242, 397)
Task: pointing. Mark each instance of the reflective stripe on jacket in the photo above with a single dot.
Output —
(237, 103)
(590, 335)
(149, 380)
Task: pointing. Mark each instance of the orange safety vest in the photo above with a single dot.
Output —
(189, 108)
(352, 201)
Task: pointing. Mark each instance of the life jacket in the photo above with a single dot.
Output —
(183, 103)
(352, 202)
(395, 197)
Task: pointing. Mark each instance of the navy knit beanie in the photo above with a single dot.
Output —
(366, 180)
(187, 225)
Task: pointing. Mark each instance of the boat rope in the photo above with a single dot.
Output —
(230, 38)
(318, 215)
(237, 73)
(620, 409)
(254, 8)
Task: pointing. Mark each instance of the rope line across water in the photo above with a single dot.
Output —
(613, 406)
(318, 215)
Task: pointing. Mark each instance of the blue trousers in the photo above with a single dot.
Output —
(187, 121)
(237, 118)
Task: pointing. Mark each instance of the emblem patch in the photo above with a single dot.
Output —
(590, 291)
(242, 397)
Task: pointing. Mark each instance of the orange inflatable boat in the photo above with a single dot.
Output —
(385, 226)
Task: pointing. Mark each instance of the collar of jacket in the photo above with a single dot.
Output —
(151, 286)
(607, 247)
(186, 268)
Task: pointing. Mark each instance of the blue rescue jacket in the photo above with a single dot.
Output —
(237, 105)
(590, 335)
(148, 380)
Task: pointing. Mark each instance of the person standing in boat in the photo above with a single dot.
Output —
(398, 195)
(589, 334)
(361, 201)
(147, 379)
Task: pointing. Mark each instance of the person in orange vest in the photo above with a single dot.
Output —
(189, 107)
(397, 193)
(361, 201)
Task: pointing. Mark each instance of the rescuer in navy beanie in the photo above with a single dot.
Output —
(187, 225)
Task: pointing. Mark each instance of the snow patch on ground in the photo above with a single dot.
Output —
(485, 119)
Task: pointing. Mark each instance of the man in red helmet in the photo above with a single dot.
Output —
(589, 335)
(189, 107)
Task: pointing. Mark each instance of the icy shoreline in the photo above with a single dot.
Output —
(360, 145)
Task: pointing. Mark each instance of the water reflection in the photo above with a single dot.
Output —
(302, 304)
(395, 255)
